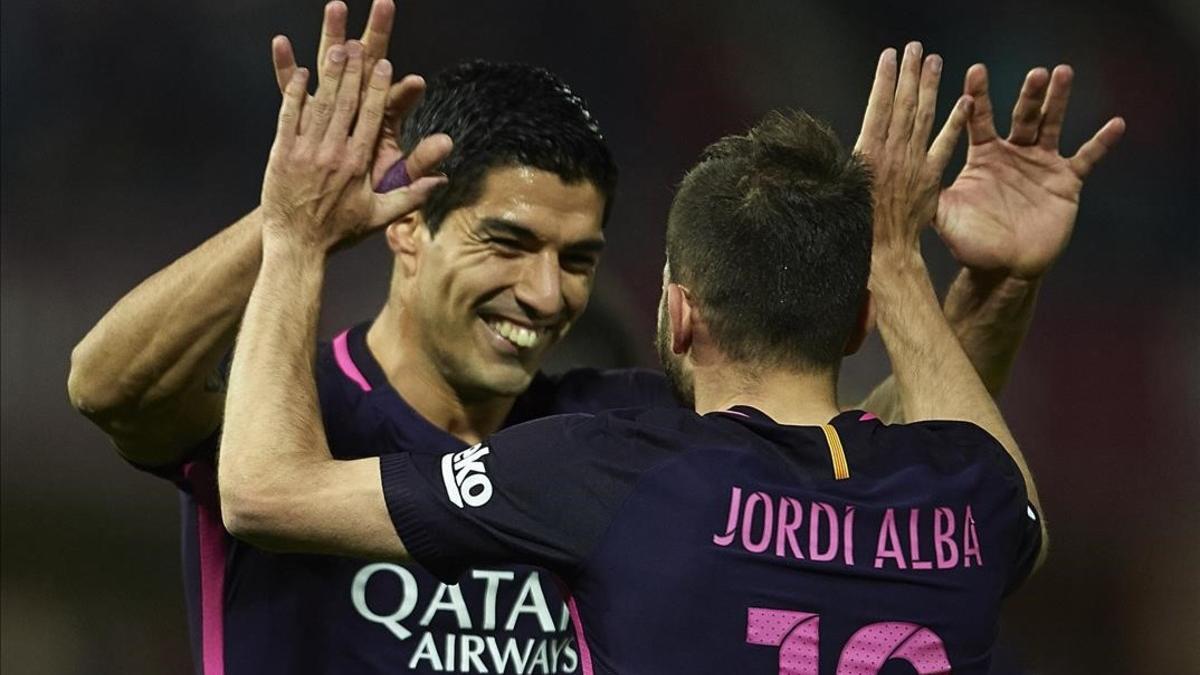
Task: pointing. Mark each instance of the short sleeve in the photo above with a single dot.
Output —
(1004, 480)
(1028, 549)
(539, 493)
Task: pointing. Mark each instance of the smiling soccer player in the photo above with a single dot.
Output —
(769, 244)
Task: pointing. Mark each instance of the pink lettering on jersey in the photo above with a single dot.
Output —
(748, 519)
(970, 541)
(818, 512)
(787, 527)
(874, 645)
(735, 506)
(821, 532)
(888, 546)
(797, 634)
(944, 546)
(914, 541)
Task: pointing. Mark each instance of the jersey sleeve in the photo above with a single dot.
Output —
(1004, 481)
(539, 493)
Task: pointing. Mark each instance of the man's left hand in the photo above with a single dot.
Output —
(1012, 208)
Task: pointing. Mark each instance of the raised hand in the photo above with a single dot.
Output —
(401, 97)
(317, 191)
(1013, 206)
(895, 143)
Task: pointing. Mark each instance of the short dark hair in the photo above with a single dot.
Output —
(507, 114)
(771, 233)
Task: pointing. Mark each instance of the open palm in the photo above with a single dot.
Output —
(1012, 207)
(387, 171)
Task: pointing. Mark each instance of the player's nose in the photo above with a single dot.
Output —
(539, 288)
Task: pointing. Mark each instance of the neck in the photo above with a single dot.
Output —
(395, 343)
(786, 396)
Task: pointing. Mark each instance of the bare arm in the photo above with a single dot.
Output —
(148, 372)
(1006, 218)
(989, 316)
(280, 487)
(934, 378)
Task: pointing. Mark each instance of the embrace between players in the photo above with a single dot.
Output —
(726, 518)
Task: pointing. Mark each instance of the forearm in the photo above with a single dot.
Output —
(990, 316)
(934, 377)
(153, 356)
(272, 431)
(280, 487)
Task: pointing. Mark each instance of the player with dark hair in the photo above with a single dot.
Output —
(486, 279)
(765, 531)
(470, 313)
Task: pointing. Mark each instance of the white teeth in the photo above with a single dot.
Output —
(518, 335)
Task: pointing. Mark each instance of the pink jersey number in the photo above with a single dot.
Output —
(797, 635)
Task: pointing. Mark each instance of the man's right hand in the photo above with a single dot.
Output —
(401, 97)
(894, 142)
(316, 192)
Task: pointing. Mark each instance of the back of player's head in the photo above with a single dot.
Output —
(771, 233)
(507, 114)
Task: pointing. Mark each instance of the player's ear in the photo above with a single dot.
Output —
(406, 238)
(863, 325)
(682, 316)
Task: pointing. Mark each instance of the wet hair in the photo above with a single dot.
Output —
(771, 234)
(507, 114)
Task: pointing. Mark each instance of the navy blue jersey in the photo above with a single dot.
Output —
(727, 543)
(256, 612)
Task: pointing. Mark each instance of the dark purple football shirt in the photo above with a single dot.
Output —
(727, 543)
(254, 612)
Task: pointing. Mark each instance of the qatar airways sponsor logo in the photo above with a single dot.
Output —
(921, 538)
(482, 641)
(465, 476)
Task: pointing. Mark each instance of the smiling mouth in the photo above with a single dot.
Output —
(521, 337)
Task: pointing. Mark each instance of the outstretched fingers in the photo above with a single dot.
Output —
(366, 131)
(283, 59)
(931, 76)
(402, 98)
(1094, 150)
(333, 33)
(1027, 113)
(289, 111)
(320, 109)
(392, 205)
(425, 159)
(346, 104)
(943, 146)
(879, 104)
(905, 106)
(378, 32)
(1055, 108)
(981, 127)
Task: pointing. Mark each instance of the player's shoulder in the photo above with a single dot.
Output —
(639, 435)
(947, 444)
(596, 389)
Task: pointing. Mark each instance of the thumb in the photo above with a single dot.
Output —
(394, 205)
(422, 161)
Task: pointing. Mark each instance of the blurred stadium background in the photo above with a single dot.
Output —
(134, 130)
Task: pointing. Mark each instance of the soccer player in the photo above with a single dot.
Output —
(488, 276)
(765, 531)
(150, 375)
